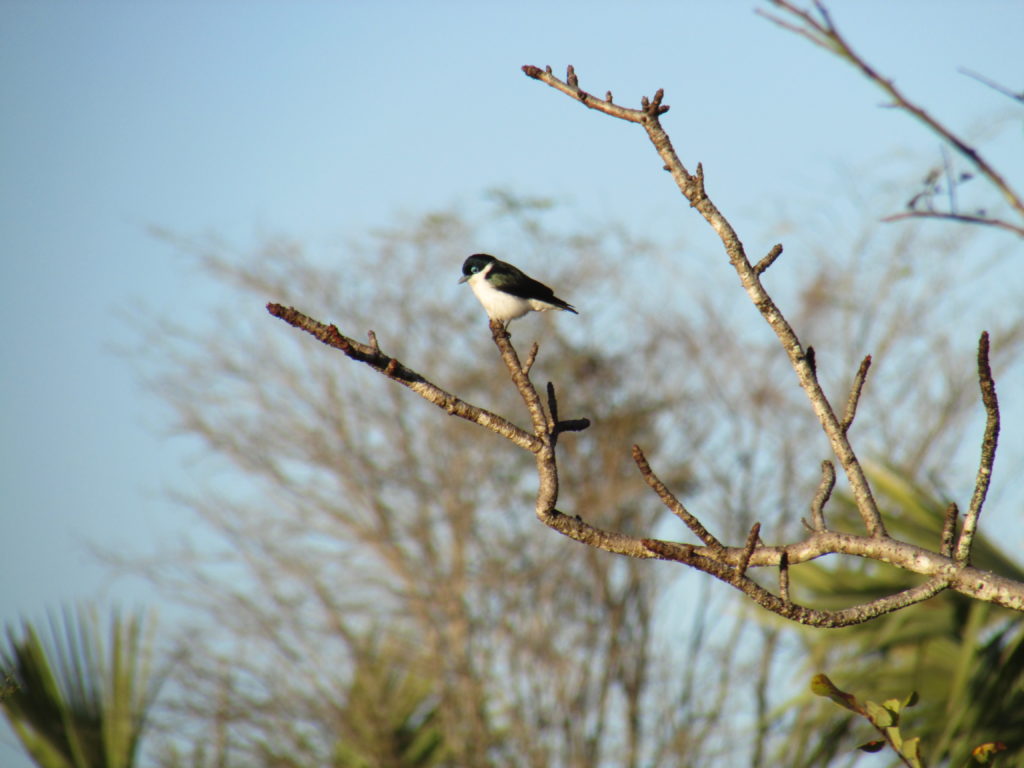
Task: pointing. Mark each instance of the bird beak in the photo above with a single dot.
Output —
(464, 278)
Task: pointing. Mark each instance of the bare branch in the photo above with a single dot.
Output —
(699, 193)
(784, 577)
(394, 370)
(782, 606)
(1015, 95)
(531, 358)
(768, 260)
(958, 217)
(670, 501)
(521, 379)
(855, 390)
(965, 579)
(692, 188)
(828, 482)
(988, 451)
(552, 409)
(713, 558)
(609, 541)
(824, 33)
(748, 550)
(949, 529)
(572, 89)
(556, 424)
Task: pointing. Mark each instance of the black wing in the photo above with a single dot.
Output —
(512, 280)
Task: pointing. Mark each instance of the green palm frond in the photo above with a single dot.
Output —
(391, 716)
(76, 706)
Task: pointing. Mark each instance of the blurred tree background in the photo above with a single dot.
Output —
(383, 594)
(365, 583)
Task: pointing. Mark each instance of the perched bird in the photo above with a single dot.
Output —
(505, 292)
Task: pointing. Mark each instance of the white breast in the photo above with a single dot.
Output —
(499, 305)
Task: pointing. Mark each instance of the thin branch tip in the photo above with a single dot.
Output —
(769, 259)
(856, 389)
(828, 483)
(531, 358)
(748, 550)
(949, 529)
(638, 456)
(784, 577)
(989, 444)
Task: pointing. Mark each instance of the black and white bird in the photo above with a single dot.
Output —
(505, 292)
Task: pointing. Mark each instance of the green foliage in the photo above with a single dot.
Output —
(7, 687)
(885, 718)
(390, 717)
(73, 706)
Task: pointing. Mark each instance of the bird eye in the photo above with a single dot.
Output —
(474, 269)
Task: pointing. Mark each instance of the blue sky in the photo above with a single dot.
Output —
(322, 120)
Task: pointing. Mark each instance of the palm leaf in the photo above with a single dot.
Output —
(73, 706)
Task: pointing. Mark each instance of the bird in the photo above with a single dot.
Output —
(505, 292)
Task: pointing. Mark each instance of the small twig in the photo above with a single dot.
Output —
(812, 360)
(531, 358)
(748, 550)
(949, 529)
(373, 341)
(552, 408)
(699, 193)
(784, 577)
(988, 451)
(962, 218)
(670, 501)
(655, 107)
(828, 482)
(1016, 96)
(571, 79)
(572, 425)
(572, 89)
(768, 260)
(855, 391)
(556, 424)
